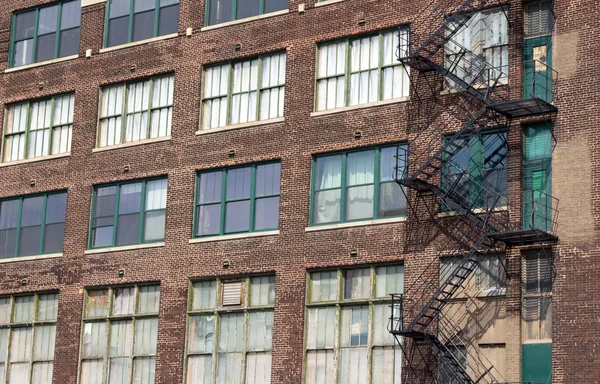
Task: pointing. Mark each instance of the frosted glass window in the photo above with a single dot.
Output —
(136, 111)
(360, 71)
(243, 92)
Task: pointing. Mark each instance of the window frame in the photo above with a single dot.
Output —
(230, 94)
(110, 317)
(223, 202)
(42, 226)
(33, 324)
(348, 67)
(344, 183)
(261, 7)
(13, 32)
(339, 304)
(539, 294)
(157, 8)
(217, 311)
(124, 113)
(143, 211)
(27, 131)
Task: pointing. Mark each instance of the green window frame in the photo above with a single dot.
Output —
(246, 91)
(236, 194)
(63, 28)
(38, 128)
(230, 322)
(107, 218)
(360, 70)
(388, 200)
(336, 301)
(27, 337)
(119, 334)
(160, 17)
(483, 160)
(32, 225)
(215, 12)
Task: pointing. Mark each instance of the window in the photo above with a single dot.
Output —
(485, 37)
(348, 313)
(243, 92)
(478, 169)
(129, 213)
(27, 334)
(136, 111)
(221, 11)
(134, 20)
(537, 296)
(538, 18)
(242, 199)
(32, 225)
(230, 331)
(490, 274)
(38, 128)
(120, 333)
(360, 70)
(357, 185)
(45, 33)
(538, 203)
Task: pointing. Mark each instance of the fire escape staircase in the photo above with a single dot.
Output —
(478, 221)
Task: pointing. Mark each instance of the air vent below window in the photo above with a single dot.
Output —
(232, 293)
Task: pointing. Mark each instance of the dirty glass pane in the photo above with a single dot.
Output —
(94, 340)
(321, 328)
(231, 332)
(324, 286)
(48, 307)
(355, 326)
(199, 369)
(146, 337)
(23, 309)
(124, 301)
(98, 303)
(201, 334)
(149, 299)
(205, 294)
(260, 331)
(357, 283)
(263, 290)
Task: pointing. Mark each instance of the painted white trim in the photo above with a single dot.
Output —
(359, 106)
(85, 3)
(540, 341)
(139, 42)
(327, 2)
(29, 258)
(476, 211)
(233, 237)
(132, 144)
(355, 224)
(238, 126)
(123, 248)
(246, 20)
(35, 159)
(41, 63)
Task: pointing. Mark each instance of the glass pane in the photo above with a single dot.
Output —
(359, 202)
(389, 280)
(130, 198)
(94, 340)
(229, 368)
(263, 290)
(201, 334)
(321, 328)
(168, 19)
(124, 301)
(30, 241)
(209, 220)
(328, 173)
(258, 368)
(237, 216)
(210, 187)
(143, 5)
(8, 243)
(18, 373)
(143, 25)
(205, 294)
(266, 214)
(45, 47)
(199, 369)
(267, 179)
(70, 15)
(149, 299)
(154, 227)
(48, 19)
(25, 25)
(320, 367)
(260, 331)
(121, 338)
(247, 8)
(238, 183)
(231, 332)
(361, 167)
(156, 194)
(118, 31)
(119, 371)
(56, 207)
(9, 214)
(92, 372)
(43, 348)
(21, 344)
(32, 211)
(275, 5)
(355, 326)
(47, 306)
(324, 286)
(392, 201)
(144, 370)
(23, 310)
(128, 229)
(220, 11)
(102, 237)
(97, 303)
(381, 318)
(353, 365)
(105, 201)
(119, 8)
(146, 336)
(42, 373)
(326, 206)
(357, 283)
(4, 313)
(386, 365)
(53, 238)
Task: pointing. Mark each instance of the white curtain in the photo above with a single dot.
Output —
(329, 176)
(361, 166)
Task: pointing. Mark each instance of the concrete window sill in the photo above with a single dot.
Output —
(246, 20)
(236, 236)
(355, 224)
(132, 144)
(140, 42)
(36, 159)
(240, 126)
(41, 63)
(327, 2)
(123, 248)
(359, 106)
(30, 258)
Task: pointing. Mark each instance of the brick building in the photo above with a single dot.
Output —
(204, 191)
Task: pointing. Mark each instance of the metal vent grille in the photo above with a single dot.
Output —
(232, 293)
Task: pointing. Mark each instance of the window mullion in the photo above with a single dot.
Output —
(19, 219)
(376, 182)
(245, 339)
(51, 128)
(35, 36)
(229, 92)
(370, 326)
(380, 69)
(216, 339)
(337, 343)
(32, 346)
(43, 227)
(223, 201)
(234, 10)
(261, 7)
(258, 83)
(27, 131)
(11, 48)
(130, 21)
(116, 217)
(150, 95)
(156, 17)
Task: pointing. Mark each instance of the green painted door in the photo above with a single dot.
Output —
(538, 61)
(537, 363)
(537, 177)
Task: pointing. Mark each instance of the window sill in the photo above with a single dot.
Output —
(239, 126)
(246, 20)
(542, 341)
(36, 159)
(140, 42)
(233, 236)
(359, 106)
(41, 63)
(491, 293)
(132, 144)
(476, 211)
(355, 224)
(123, 248)
(450, 91)
(29, 258)
(327, 2)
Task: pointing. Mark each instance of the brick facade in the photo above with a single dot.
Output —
(576, 339)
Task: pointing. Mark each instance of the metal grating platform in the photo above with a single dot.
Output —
(525, 237)
(524, 107)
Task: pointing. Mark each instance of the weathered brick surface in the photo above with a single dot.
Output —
(576, 325)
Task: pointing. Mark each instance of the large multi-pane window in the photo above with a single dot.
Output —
(360, 70)
(45, 33)
(221, 11)
(27, 334)
(245, 91)
(241, 199)
(129, 213)
(347, 339)
(32, 225)
(358, 185)
(537, 296)
(133, 20)
(38, 128)
(136, 111)
(489, 276)
(484, 35)
(120, 333)
(478, 169)
(230, 327)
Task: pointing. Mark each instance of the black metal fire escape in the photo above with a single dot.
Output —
(479, 215)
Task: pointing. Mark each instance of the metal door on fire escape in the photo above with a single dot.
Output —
(538, 50)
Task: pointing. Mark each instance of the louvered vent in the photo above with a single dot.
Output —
(539, 18)
(232, 293)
